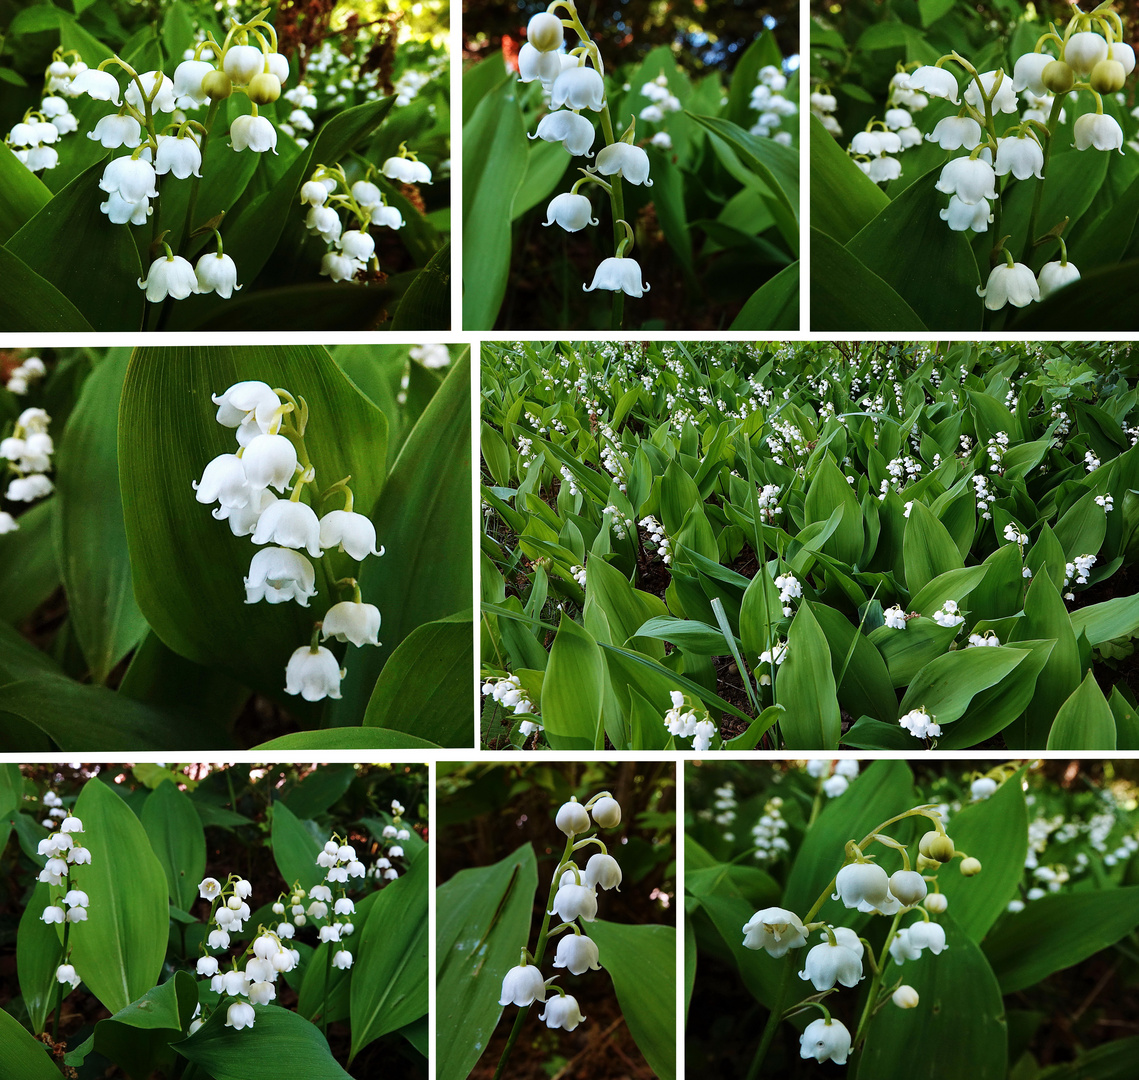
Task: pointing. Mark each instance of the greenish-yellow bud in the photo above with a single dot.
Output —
(217, 85)
(1058, 77)
(1108, 77)
(936, 846)
(264, 88)
(970, 866)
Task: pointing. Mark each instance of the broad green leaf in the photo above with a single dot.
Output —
(425, 688)
(295, 848)
(31, 302)
(347, 738)
(279, 1046)
(389, 988)
(687, 634)
(39, 951)
(1084, 721)
(101, 270)
(423, 520)
(907, 651)
(928, 549)
(426, 305)
(641, 961)
(830, 490)
(1059, 931)
(843, 197)
(494, 166)
(1109, 1061)
(806, 688)
(24, 193)
(138, 1037)
(931, 267)
(945, 686)
(1115, 618)
(774, 305)
(847, 295)
(23, 1056)
(189, 568)
(959, 1022)
(994, 830)
(178, 839)
(29, 572)
(312, 1001)
(90, 536)
(120, 952)
(865, 686)
(572, 690)
(483, 922)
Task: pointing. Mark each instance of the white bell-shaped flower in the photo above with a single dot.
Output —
(1054, 276)
(29, 488)
(775, 930)
(606, 812)
(960, 216)
(240, 1015)
(562, 1011)
(338, 267)
(278, 64)
(169, 275)
(132, 178)
(325, 221)
(1083, 51)
(620, 275)
(217, 272)
(53, 914)
(827, 964)
(65, 123)
(572, 130)
(314, 193)
(114, 131)
(180, 156)
(366, 194)
(572, 818)
(1027, 70)
(159, 89)
(246, 402)
(254, 133)
(970, 179)
(575, 902)
(602, 871)
(626, 160)
(120, 211)
(544, 31)
(577, 953)
(100, 85)
(207, 966)
(927, 935)
(342, 959)
(357, 245)
(536, 65)
(955, 132)
(1122, 53)
(935, 81)
(884, 168)
(314, 674)
(66, 974)
(523, 986)
(349, 532)
(270, 461)
(571, 211)
(1098, 130)
(223, 481)
(908, 886)
(1014, 285)
(911, 136)
(984, 786)
(895, 119)
(261, 993)
(1004, 100)
(242, 63)
(291, 525)
(349, 621)
(825, 1040)
(578, 87)
(387, 216)
(278, 575)
(865, 886)
(1023, 157)
(406, 171)
(8, 523)
(188, 77)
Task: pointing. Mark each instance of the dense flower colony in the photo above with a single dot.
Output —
(33, 139)
(840, 956)
(271, 454)
(576, 85)
(573, 898)
(768, 99)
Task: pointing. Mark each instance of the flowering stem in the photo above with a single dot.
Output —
(617, 204)
(876, 981)
(327, 980)
(773, 1019)
(539, 950)
(1038, 196)
(62, 960)
(195, 181)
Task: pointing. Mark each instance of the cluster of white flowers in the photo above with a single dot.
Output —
(1093, 58)
(32, 139)
(823, 105)
(1106, 501)
(299, 123)
(391, 838)
(28, 452)
(948, 614)
(272, 454)
(790, 588)
(576, 82)
(767, 832)
(768, 500)
(509, 693)
(723, 809)
(772, 657)
(920, 724)
(621, 525)
(326, 193)
(568, 480)
(683, 722)
(893, 134)
(895, 617)
(1014, 535)
(984, 495)
(837, 960)
(63, 850)
(25, 374)
(658, 536)
(662, 103)
(574, 899)
(433, 355)
(1078, 570)
(578, 574)
(1091, 462)
(768, 100)
(989, 638)
(834, 776)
